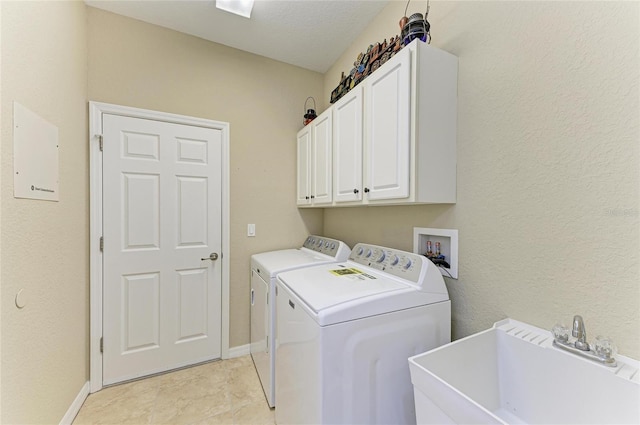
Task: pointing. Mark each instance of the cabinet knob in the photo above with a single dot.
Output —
(355, 191)
(306, 197)
(366, 190)
(312, 197)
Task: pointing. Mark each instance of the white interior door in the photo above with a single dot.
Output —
(162, 195)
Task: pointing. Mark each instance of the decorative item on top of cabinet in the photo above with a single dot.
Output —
(310, 114)
(404, 118)
(365, 64)
(414, 26)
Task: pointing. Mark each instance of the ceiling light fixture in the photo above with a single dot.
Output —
(239, 7)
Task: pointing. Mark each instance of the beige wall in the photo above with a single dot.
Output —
(548, 168)
(137, 64)
(548, 164)
(44, 245)
(1, 168)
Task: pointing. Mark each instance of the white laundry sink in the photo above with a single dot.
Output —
(512, 374)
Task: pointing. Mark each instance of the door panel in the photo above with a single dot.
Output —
(141, 308)
(321, 168)
(141, 212)
(192, 286)
(303, 143)
(192, 211)
(388, 133)
(347, 141)
(162, 216)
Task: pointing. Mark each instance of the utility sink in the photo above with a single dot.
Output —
(512, 374)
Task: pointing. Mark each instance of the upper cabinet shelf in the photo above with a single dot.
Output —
(393, 137)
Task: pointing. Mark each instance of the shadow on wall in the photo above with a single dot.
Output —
(390, 226)
(313, 220)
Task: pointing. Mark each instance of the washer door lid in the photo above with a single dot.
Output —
(326, 286)
(274, 262)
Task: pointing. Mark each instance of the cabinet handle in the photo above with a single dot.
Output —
(355, 191)
(306, 197)
(312, 197)
(366, 190)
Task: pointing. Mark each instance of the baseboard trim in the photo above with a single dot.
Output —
(239, 351)
(73, 410)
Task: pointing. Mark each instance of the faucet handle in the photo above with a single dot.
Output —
(580, 333)
(578, 327)
(605, 348)
(560, 332)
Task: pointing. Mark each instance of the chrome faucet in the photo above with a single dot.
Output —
(604, 350)
(579, 333)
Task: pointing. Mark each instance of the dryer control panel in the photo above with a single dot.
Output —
(327, 246)
(405, 265)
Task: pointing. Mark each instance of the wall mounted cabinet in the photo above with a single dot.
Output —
(347, 147)
(314, 144)
(394, 135)
(387, 129)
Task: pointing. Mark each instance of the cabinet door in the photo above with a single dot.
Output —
(321, 160)
(347, 147)
(303, 196)
(387, 131)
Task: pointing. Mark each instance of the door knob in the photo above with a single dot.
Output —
(213, 257)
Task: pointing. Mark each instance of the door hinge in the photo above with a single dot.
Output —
(101, 345)
(101, 243)
(100, 141)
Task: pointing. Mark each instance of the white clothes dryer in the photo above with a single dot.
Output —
(346, 330)
(264, 269)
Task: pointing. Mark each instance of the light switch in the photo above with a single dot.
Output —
(251, 230)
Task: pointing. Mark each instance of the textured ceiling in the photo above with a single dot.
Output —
(305, 33)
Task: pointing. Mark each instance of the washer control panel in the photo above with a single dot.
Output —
(406, 265)
(331, 247)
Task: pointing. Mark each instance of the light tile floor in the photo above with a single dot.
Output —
(222, 392)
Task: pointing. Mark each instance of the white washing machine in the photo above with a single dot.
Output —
(264, 269)
(346, 330)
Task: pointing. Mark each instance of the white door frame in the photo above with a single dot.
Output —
(96, 109)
